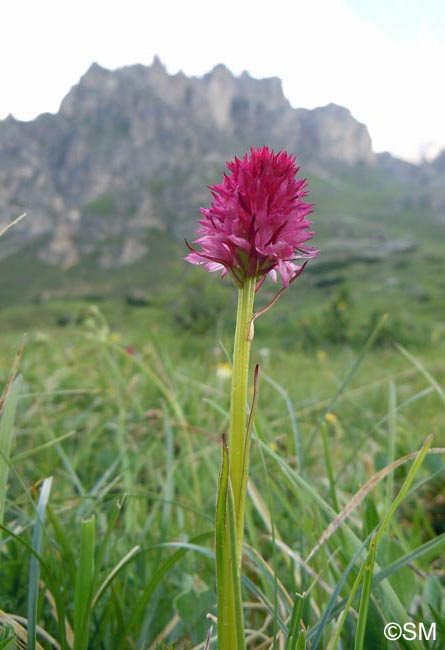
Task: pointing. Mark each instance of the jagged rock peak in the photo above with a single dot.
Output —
(219, 70)
(158, 65)
(335, 109)
(223, 73)
(95, 73)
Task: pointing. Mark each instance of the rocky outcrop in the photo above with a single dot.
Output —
(330, 135)
(423, 185)
(133, 149)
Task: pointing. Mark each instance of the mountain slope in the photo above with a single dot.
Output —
(134, 149)
(113, 182)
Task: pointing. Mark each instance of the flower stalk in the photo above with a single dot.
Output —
(239, 440)
(228, 576)
(233, 479)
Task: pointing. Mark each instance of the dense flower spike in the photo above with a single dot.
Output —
(256, 225)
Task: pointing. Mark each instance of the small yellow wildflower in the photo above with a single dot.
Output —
(223, 371)
(341, 306)
(331, 417)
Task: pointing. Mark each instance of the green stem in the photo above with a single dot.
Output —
(230, 604)
(239, 442)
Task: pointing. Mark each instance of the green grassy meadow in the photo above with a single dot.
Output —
(110, 446)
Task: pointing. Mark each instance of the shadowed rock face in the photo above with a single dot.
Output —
(134, 149)
(331, 134)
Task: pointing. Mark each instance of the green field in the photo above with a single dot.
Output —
(122, 400)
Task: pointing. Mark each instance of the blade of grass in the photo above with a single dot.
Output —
(392, 419)
(43, 447)
(169, 484)
(419, 365)
(294, 624)
(365, 596)
(301, 643)
(34, 565)
(7, 418)
(84, 584)
(113, 573)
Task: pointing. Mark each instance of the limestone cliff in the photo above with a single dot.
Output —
(134, 148)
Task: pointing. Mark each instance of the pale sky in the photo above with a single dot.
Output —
(382, 59)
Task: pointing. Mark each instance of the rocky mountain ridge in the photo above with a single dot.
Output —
(133, 149)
